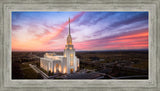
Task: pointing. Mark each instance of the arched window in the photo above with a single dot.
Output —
(71, 70)
(71, 59)
(57, 67)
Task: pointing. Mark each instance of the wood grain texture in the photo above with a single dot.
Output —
(7, 6)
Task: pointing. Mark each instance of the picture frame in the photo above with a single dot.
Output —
(8, 6)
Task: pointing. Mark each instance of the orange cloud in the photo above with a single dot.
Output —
(144, 34)
(40, 42)
(129, 41)
(132, 41)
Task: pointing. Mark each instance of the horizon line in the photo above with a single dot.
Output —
(88, 50)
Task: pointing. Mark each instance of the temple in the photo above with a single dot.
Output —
(67, 63)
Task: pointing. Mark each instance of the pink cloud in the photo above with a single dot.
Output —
(40, 41)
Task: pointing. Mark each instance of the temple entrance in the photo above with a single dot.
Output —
(71, 70)
(57, 68)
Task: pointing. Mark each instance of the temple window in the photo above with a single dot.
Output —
(71, 59)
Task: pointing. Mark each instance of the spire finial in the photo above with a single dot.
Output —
(69, 25)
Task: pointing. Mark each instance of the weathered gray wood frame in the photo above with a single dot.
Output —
(7, 6)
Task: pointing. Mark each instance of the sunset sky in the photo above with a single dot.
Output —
(90, 31)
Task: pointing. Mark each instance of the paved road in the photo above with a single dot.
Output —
(37, 70)
(128, 77)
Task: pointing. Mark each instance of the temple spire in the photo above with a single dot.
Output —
(69, 25)
(69, 38)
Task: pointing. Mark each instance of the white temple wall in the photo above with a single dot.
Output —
(67, 53)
